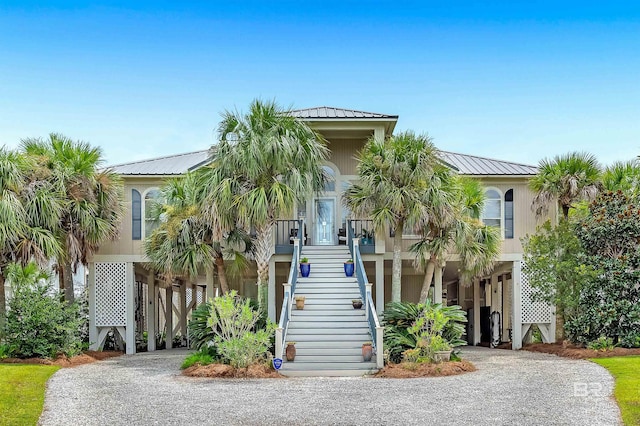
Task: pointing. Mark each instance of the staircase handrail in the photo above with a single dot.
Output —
(365, 291)
(289, 292)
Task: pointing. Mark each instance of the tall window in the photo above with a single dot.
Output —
(492, 212)
(150, 222)
(330, 185)
(508, 214)
(136, 215)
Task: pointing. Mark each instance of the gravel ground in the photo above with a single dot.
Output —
(521, 388)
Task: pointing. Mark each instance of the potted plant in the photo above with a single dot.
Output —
(300, 302)
(290, 351)
(440, 348)
(357, 303)
(367, 351)
(305, 267)
(348, 268)
(366, 237)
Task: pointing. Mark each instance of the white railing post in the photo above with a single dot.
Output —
(379, 347)
(367, 293)
(288, 296)
(279, 342)
(296, 248)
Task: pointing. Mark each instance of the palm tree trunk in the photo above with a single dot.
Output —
(68, 283)
(263, 253)
(396, 277)
(428, 278)
(3, 304)
(222, 275)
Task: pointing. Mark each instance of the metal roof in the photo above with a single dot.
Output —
(474, 165)
(162, 166)
(325, 112)
(182, 163)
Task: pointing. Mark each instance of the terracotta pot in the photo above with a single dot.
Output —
(290, 352)
(300, 304)
(367, 352)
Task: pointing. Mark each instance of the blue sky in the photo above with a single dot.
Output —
(515, 80)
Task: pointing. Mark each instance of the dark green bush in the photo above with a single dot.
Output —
(39, 322)
(400, 316)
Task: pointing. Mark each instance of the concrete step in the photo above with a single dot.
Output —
(324, 353)
(308, 335)
(337, 291)
(333, 359)
(311, 325)
(323, 280)
(314, 306)
(303, 365)
(331, 345)
(303, 319)
(327, 373)
(300, 315)
(348, 296)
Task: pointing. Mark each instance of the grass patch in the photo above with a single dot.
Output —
(22, 392)
(197, 358)
(626, 371)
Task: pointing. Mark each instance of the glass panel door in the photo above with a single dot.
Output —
(324, 221)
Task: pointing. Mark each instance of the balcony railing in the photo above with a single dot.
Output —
(286, 232)
(362, 229)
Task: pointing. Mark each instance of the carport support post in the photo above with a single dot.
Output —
(209, 292)
(516, 304)
(476, 311)
(130, 330)
(183, 310)
(379, 285)
(437, 282)
(152, 296)
(168, 316)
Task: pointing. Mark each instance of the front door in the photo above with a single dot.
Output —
(324, 221)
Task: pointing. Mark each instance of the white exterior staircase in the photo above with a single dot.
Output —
(328, 332)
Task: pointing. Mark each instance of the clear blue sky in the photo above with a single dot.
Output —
(515, 80)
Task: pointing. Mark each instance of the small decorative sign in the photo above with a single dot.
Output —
(277, 363)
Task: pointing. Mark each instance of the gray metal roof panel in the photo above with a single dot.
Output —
(325, 112)
(474, 165)
(169, 165)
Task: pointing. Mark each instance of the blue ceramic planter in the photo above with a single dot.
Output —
(348, 269)
(305, 269)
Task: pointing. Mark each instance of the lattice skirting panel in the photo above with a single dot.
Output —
(110, 294)
(533, 312)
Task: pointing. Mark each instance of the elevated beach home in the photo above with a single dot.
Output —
(126, 294)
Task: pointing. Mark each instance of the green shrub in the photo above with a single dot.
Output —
(39, 322)
(602, 343)
(198, 358)
(234, 324)
(400, 317)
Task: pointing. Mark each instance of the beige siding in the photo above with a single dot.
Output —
(125, 245)
(343, 153)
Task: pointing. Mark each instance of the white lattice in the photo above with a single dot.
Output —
(200, 296)
(533, 312)
(189, 295)
(111, 300)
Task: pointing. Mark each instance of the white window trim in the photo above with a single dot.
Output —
(501, 198)
(144, 210)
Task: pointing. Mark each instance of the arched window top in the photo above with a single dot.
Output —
(492, 194)
(151, 196)
(330, 173)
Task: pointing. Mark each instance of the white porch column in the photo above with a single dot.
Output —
(476, 311)
(210, 292)
(93, 330)
(168, 316)
(183, 309)
(130, 330)
(152, 296)
(379, 285)
(271, 308)
(516, 303)
(437, 282)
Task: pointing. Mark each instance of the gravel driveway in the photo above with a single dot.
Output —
(520, 388)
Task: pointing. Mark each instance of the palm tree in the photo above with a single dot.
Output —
(265, 162)
(623, 176)
(393, 188)
(461, 231)
(186, 243)
(29, 209)
(566, 179)
(93, 204)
